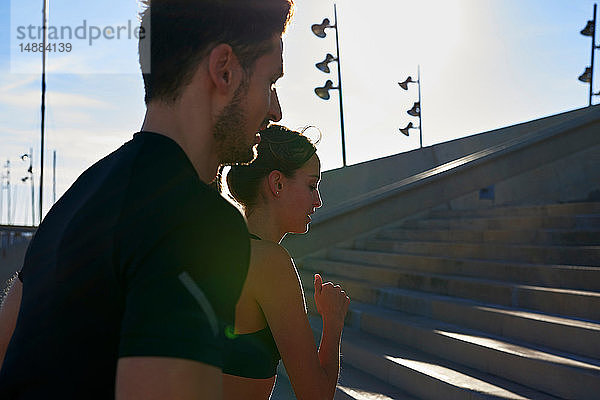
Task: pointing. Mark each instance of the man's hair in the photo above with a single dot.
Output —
(182, 33)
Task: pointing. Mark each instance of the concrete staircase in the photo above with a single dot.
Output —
(497, 303)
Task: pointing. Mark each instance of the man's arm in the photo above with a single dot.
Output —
(164, 378)
(9, 309)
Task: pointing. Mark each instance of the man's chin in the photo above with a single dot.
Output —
(241, 158)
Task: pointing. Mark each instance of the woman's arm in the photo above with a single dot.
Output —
(279, 293)
(9, 309)
(329, 300)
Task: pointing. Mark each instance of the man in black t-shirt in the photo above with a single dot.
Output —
(132, 278)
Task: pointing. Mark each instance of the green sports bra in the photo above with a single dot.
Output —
(252, 355)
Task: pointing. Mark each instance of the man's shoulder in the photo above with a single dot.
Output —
(221, 215)
(178, 200)
(113, 166)
(162, 193)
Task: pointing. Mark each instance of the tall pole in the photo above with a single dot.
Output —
(420, 108)
(337, 45)
(32, 186)
(54, 177)
(593, 51)
(8, 216)
(1, 196)
(45, 33)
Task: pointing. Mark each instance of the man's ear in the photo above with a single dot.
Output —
(223, 66)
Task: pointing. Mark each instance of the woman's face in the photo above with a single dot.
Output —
(301, 197)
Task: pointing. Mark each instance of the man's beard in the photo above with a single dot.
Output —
(229, 131)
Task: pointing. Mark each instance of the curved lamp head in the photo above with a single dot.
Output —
(323, 92)
(586, 76)
(319, 29)
(404, 85)
(323, 65)
(408, 127)
(589, 29)
(25, 157)
(415, 111)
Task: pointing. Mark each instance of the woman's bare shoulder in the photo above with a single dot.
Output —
(266, 254)
(270, 264)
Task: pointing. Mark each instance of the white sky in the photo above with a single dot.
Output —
(484, 64)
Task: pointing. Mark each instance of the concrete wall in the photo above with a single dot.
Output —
(343, 183)
(550, 160)
(573, 178)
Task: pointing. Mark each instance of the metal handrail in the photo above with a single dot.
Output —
(12, 234)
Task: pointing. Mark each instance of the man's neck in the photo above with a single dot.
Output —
(189, 131)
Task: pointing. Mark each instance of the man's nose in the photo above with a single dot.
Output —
(275, 109)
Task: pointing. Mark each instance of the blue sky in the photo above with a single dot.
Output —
(484, 64)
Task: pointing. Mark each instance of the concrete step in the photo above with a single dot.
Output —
(543, 330)
(559, 276)
(532, 210)
(353, 384)
(373, 284)
(588, 221)
(565, 334)
(422, 375)
(567, 255)
(562, 237)
(515, 361)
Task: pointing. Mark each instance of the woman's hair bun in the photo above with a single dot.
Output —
(280, 149)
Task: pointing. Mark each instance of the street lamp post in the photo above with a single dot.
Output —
(588, 74)
(8, 194)
(43, 110)
(54, 177)
(29, 157)
(415, 111)
(323, 92)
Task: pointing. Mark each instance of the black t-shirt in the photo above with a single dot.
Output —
(138, 258)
